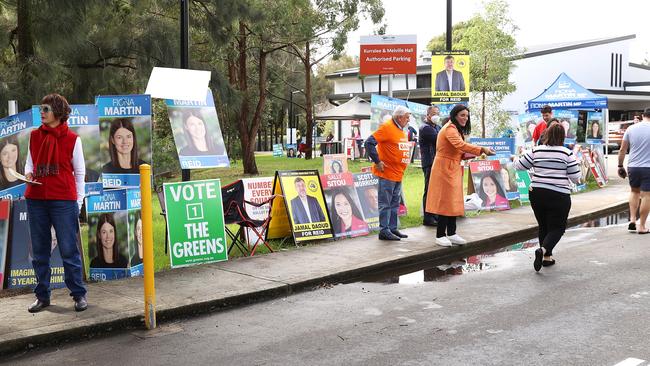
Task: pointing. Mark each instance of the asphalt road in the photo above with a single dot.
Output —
(590, 309)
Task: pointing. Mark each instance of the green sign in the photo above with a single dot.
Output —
(195, 223)
(523, 185)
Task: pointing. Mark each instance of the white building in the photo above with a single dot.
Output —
(600, 65)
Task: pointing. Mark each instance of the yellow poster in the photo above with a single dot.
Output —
(279, 225)
(305, 203)
(450, 78)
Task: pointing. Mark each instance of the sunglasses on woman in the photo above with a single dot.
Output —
(45, 108)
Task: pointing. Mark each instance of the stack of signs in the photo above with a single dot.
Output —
(335, 164)
(277, 150)
(598, 156)
(523, 186)
(257, 190)
(594, 128)
(14, 140)
(195, 222)
(304, 204)
(504, 148)
(4, 235)
(595, 166)
(366, 185)
(488, 184)
(84, 121)
(125, 128)
(112, 228)
(344, 205)
(21, 271)
(568, 120)
(197, 133)
(584, 168)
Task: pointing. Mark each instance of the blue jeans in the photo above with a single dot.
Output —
(389, 195)
(63, 215)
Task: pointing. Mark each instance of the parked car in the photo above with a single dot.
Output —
(615, 131)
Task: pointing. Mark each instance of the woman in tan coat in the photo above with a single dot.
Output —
(445, 195)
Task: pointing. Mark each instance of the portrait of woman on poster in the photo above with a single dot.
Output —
(197, 137)
(107, 244)
(594, 131)
(10, 159)
(509, 183)
(530, 128)
(122, 148)
(491, 192)
(346, 217)
(336, 167)
(137, 236)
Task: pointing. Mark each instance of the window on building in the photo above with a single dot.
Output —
(423, 81)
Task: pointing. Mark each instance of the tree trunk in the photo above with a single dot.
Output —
(246, 137)
(309, 117)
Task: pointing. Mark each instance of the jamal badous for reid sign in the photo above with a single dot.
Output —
(195, 222)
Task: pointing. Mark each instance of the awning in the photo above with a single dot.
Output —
(355, 108)
(565, 93)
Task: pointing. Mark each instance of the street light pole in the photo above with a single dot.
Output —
(448, 25)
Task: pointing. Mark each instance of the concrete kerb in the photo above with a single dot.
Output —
(436, 255)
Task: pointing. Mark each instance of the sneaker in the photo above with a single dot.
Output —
(631, 227)
(456, 239)
(443, 241)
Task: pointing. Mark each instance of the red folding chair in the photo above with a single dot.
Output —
(234, 212)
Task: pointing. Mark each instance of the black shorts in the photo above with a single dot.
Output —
(639, 178)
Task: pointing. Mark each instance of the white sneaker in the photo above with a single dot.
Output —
(456, 239)
(443, 242)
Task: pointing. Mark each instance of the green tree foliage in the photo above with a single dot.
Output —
(489, 38)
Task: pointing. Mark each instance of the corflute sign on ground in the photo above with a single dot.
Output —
(388, 55)
(195, 222)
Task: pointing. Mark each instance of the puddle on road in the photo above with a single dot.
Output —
(498, 259)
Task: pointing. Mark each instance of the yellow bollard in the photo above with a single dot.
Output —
(147, 247)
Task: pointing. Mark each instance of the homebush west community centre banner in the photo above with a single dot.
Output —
(197, 233)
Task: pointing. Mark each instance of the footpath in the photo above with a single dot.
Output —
(118, 305)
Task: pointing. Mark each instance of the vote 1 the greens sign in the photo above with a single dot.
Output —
(195, 222)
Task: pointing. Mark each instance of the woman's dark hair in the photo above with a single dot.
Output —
(591, 132)
(452, 117)
(116, 125)
(106, 218)
(10, 140)
(492, 175)
(554, 135)
(136, 217)
(336, 221)
(60, 107)
(209, 143)
(336, 162)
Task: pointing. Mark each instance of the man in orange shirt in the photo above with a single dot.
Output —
(389, 149)
(547, 114)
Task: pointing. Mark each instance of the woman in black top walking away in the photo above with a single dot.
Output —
(550, 196)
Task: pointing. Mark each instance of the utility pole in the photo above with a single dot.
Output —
(185, 58)
(448, 25)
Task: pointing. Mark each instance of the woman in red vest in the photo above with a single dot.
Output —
(56, 169)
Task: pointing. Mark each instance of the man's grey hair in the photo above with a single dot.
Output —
(400, 111)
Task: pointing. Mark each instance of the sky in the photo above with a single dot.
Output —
(540, 23)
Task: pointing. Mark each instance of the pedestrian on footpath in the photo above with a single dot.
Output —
(428, 135)
(389, 149)
(445, 192)
(56, 169)
(547, 114)
(637, 138)
(550, 191)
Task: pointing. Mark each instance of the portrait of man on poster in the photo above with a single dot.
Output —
(449, 79)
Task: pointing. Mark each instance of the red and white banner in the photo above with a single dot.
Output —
(388, 55)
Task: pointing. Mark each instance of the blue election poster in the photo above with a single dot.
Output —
(134, 232)
(108, 235)
(568, 120)
(125, 138)
(197, 133)
(84, 121)
(14, 143)
(594, 131)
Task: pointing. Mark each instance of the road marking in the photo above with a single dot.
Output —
(630, 362)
